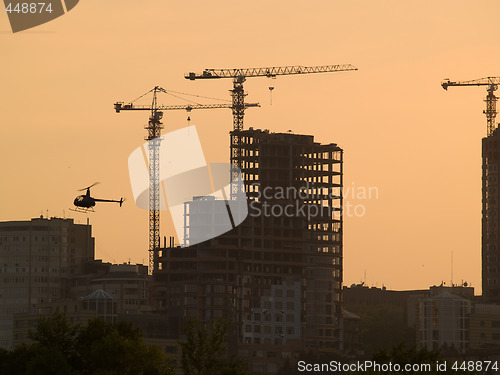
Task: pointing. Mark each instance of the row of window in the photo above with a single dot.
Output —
(36, 279)
(53, 239)
(26, 250)
(269, 330)
(34, 270)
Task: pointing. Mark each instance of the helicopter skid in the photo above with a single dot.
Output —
(82, 210)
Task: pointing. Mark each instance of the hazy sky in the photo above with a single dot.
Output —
(402, 134)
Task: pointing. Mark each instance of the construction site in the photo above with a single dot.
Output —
(277, 277)
(273, 271)
(282, 188)
(490, 224)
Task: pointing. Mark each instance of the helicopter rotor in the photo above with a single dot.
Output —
(88, 187)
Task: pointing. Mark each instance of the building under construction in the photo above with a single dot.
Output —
(490, 240)
(490, 243)
(278, 275)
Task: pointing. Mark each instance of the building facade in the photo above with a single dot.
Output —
(484, 330)
(37, 260)
(128, 285)
(443, 322)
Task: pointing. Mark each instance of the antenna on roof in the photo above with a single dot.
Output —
(452, 268)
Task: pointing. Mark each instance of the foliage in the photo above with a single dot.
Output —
(205, 350)
(15, 361)
(312, 356)
(100, 348)
(403, 355)
(400, 354)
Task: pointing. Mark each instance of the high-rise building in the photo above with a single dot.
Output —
(37, 260)
(278, 275)
(490, 242)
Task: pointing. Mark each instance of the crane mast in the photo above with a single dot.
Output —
(491, 100)
(154, 128)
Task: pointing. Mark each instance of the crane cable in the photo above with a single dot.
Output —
(170, 92)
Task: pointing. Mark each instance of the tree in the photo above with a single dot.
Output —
(205, 350)
(55, 342)
(290, 366)
(403, 355)
(15, 361)
(100, 348)
(49, 360)
(119, 349)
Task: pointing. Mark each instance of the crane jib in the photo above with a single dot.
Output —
(268, 72)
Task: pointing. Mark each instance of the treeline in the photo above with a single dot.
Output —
(103, 348)
(100, 348)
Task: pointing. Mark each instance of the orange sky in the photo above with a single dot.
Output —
(419, 145)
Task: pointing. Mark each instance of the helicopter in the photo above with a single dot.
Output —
(85, 203)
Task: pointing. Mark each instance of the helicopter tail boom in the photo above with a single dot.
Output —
(109, 200)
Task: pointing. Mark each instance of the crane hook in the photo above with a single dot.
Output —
(271, 88)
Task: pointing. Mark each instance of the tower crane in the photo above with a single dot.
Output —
(154, 128)
(491, 100)
(239, 76)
